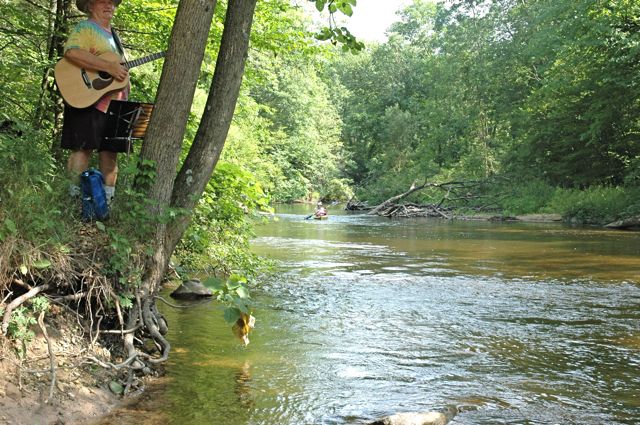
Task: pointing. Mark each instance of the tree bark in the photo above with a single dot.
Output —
(163, 141)
(58, 28)
(216, 119)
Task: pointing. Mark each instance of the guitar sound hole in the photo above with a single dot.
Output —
(99, 84)
(104, 75)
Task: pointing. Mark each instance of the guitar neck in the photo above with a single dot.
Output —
(143, 60)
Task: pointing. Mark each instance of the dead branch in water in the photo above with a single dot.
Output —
(390, 208)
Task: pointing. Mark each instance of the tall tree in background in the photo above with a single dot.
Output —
(583, 110)
(538, 90)
(305, 126)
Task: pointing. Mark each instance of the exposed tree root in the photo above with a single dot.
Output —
(52, 358)
(17, 302)
(76, 283)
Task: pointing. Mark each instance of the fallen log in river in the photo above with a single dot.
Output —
(459, 189)
(414, 210)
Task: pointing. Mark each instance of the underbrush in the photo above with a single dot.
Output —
(36, 218)
(217, 240)
(95, 268)
(596, 205)
(526, 197)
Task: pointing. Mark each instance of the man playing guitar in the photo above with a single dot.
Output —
(84, 129)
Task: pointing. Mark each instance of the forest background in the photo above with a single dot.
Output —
(535, 101)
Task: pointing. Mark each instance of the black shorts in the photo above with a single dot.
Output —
(86, 128)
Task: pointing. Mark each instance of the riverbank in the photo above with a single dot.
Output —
(534, 218)
(64, 389)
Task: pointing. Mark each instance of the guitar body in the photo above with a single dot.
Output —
(82, 88)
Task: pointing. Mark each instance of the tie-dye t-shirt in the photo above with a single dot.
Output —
(90, 36)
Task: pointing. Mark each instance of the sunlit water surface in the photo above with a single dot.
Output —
(507, 323)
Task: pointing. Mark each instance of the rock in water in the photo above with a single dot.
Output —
(430, 418)
(191, 289)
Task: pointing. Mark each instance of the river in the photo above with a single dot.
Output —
(508, 323)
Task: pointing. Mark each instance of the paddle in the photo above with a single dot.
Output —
(308, 217)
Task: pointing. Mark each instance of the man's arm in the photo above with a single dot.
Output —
(86, 59)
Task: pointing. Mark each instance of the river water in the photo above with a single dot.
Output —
(507, 323)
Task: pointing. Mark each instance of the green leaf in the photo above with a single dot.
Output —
(41, 264)
(116, 387)
(100, 225)
(23, 269)
(242, 292)
(241, 306)
(125, 302)
(346, 9)
(214, 284)
(320, 5)
(10, 225)
(236, 278)
(231, 315)
(324, 34)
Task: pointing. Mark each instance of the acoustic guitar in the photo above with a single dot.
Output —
(82, 87)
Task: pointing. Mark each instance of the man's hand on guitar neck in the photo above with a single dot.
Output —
(86, 59)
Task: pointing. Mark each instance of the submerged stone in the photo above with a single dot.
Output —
(430, 418)
(191, 289)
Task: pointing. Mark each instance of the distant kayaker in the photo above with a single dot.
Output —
(321, 211)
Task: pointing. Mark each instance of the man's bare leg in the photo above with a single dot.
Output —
(78, 162)
(109, 169)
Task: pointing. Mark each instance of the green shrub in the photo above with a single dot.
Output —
(217, 239)
(632, 178)
(33, 193)
(527, 197)
(596, 205)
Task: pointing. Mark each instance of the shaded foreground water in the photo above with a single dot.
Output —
(509, 323)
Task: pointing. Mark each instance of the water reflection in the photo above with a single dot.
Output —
(243, 389)
(511, 324)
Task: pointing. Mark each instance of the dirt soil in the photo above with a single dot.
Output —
(81, 391)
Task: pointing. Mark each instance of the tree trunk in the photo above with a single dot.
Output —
(163, 142)
(216, 120)
(63, 11)
(164, 138)
(58, 28)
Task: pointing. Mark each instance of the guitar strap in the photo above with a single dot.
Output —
(118, 42)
